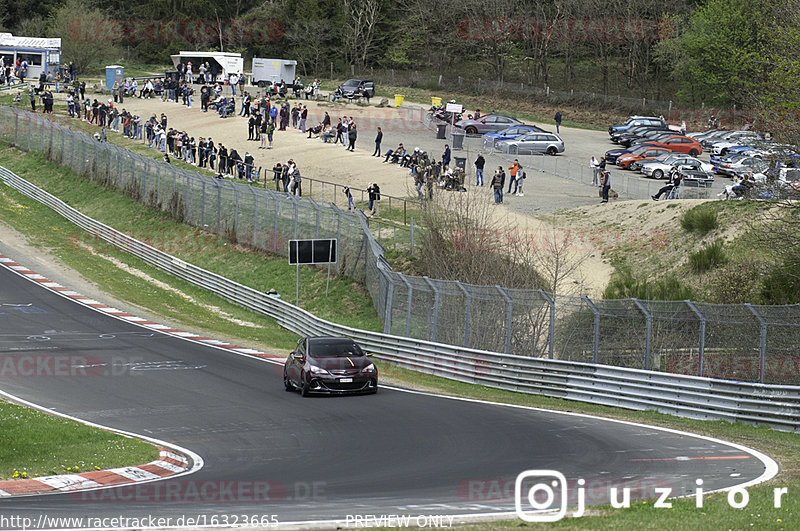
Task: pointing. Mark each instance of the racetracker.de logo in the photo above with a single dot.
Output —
(49, 366)
(211, 491)
(191, 30)
(566, 29)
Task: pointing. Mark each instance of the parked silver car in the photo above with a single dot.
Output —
(491, 123)
(533, 143)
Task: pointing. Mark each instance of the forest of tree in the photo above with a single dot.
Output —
(716, 52)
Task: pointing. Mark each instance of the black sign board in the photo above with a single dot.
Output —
(312, 251)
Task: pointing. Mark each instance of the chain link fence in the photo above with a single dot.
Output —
(742, 342)
(646, 104)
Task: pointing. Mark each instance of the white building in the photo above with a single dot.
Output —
(41, 53)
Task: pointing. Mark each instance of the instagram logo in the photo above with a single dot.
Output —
(540, 489)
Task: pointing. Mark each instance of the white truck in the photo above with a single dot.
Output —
(226, 63)
(273, 71)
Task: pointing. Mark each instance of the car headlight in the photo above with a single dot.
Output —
(369, 369)
(318, 371)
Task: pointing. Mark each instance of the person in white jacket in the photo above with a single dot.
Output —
(594, 164)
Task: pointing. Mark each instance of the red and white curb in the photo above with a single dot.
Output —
(169, 463)
(109, 310)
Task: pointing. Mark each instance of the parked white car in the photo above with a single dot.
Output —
(660, 167)
(533, 143)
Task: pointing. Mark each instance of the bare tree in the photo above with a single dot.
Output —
(361, 19)
(308, 40)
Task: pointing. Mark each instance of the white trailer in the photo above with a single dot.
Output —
(227, 63)
(273, 71)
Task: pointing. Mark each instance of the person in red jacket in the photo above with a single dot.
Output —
(512, 173)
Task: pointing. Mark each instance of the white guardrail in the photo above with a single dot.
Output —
(687, 396)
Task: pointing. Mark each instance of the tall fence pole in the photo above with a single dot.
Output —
(435, 319)
(702, 338)
(648, 330)
(595, 328)
(467, 310)
(387, 314)
(509, 317)
(408, 302)
(551, 329)
(762, 344)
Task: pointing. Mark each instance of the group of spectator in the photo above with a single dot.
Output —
(287, 178)
(344, 132)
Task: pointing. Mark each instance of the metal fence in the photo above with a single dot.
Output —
(741, 342)
(777, 406)
(516, 90)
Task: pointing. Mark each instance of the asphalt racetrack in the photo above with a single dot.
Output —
(272, 454)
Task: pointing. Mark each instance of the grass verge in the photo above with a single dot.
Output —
(34, 444)
(61, 238)
(187, 305)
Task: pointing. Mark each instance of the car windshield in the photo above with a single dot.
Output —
(351, 83)
(665, 157)
(334, 349)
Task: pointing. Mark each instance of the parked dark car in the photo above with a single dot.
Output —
(353, 88)
(334, 365)
(634, 121)
(628, 139)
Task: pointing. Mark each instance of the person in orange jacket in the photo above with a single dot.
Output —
(512, 172)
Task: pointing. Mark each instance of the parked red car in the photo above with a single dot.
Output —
(650, 153)
(684, 144)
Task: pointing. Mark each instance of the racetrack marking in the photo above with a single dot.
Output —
(68, 482)
(699, 458)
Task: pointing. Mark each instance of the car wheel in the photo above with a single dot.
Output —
(552, 151)
(471, 130)
(262, 84)
(287, 384)
(658, 174)
(305, 389)
(693, 153)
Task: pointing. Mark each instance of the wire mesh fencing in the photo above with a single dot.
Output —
(739, 341)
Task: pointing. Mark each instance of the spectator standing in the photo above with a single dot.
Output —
(557, 118)
(606, 183)
(512, 172)
(248, 166)
(594, 164)
(270, 132)
(277, 176)
(350, 203)
(374, 195)
(480, 162)
(520, 181)
(446, 156)
(378, 140)
(303, 118)
(352, 135)
(498, 181)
